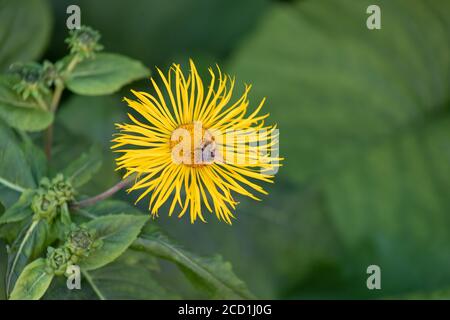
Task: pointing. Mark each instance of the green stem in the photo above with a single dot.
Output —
(57, 93)
(93, 285)
(59, 88)
(11, 185)
(72, 64)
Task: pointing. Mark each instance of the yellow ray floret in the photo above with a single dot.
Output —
(191, 147)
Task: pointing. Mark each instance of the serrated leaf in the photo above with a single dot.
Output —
(19, 20)
(131, 276)
(20, 210)
(116, 232)
(81, 170)
(105, 74)
(21, 114)
(212, 273)
(33, 282)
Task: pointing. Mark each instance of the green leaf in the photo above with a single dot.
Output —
(20, 210)
(33, 282)
(106, 207)
(116, 232)
(210, 273)
(29, 244)
(35, 157)
(131, 276)
(19, 21)
(81, 170)
(15, 168)
(21, 114)
(106, 73)
(364, 120)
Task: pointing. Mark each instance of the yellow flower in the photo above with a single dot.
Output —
(189, 145)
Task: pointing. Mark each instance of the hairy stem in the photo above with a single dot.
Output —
(104, 195)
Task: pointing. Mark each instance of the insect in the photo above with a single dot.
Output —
(206, 153)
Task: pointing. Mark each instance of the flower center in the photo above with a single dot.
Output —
(192, 145)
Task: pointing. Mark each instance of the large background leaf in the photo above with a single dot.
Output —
(364, 118)
(25, 27)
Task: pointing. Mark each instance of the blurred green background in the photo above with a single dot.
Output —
(364, 118)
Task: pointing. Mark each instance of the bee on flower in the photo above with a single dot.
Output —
(194, 147)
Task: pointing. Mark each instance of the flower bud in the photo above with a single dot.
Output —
(81, 241)
(31, 80)
(84, 42)
(44, 206)
(58, 260)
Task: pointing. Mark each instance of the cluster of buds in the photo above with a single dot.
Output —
(32, 80)
(79, 244)
(83, 42)
(51, 196)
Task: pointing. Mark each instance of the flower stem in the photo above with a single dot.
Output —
(57, 93)
(104, 195)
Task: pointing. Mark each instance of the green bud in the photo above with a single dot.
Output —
(58, 260)
(81, 241)
(31, 81)
(52, 195)
(44, 206)
(63, 189)
(84, 42)
(51, 72)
